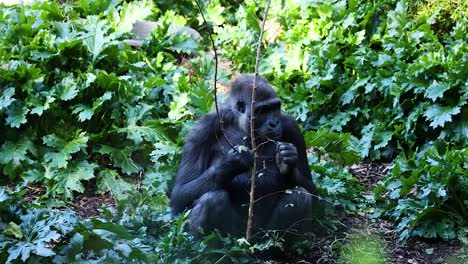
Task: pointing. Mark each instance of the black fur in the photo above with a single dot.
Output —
(214, 181)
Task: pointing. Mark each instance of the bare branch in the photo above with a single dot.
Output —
(252, 127)
(220, 120)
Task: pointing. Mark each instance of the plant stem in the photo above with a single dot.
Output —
(252, 128)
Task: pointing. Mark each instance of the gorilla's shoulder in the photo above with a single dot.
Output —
(288, 120)
(208, 126)
(292, 132)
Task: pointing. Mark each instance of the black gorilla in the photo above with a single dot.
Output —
(214, 180)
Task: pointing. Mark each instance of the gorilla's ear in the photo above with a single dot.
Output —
(240, 106)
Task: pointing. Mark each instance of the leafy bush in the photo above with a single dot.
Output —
(426, 194)
(135, 231)
(365, 68)
(77, 104)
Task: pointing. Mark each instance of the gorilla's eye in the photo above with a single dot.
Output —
(241, 106)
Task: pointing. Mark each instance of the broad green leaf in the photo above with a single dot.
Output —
(381, 60)
(178, 107)
(381, 139)
(6, 97)
(16, 115)
(436, 90)
(349, 21)
(138, 133)
(16, 152)
(183, 44)
(110, 181)
(85, 112)
(133, 11)
(242, 148)
(12, 229)
(121, 158)
(136, 113)
(325, 11)
(366, 139)
(60, 158)
(165, 149)
(41, 103)
(439, 115)
(252, 19)
(334, 145)
(70, 179)
(41, 250)
(68, 88)
(97, 37)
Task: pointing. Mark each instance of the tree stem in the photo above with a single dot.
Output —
(248, 234)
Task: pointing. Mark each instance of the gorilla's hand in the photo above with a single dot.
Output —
(240, 159)
(286, 157)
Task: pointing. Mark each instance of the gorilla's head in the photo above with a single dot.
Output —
(267, 107)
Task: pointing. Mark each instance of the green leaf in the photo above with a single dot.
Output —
(183, 43)
(133, 11)
(178, 107)
(12, 229)
(136, 113)
(121, 158)
(85, 112)
(151, 132)
(68, 89)
(381, 60)
(382, 138)
(41, 250)
(242, 148)
(436, 90)
(16, 152)
(366, 139)
(96, 38)
(214, 13)
(252, 19)
(325, 11)
(41, 103)
(110, 181)
(334, 145)
(17, 115)
(69, 179)
(439, 115)
(7, 97)
(60, 158)
(166, 149)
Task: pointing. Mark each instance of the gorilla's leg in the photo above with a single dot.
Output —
(293, 212)
(213, 210)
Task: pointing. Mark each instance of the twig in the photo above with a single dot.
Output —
(220, 120)
(252, 128)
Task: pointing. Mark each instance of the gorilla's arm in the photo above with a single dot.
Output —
(203, 167)
(196, 174)
(292, 134)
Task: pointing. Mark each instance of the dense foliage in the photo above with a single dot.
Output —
(376, 80)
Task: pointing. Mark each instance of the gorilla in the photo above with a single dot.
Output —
(213, 179)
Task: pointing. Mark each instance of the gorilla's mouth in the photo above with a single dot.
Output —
(275, 134)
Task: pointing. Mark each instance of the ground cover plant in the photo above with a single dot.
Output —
(82, 114)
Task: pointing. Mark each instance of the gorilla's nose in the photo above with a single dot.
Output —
(273, 123)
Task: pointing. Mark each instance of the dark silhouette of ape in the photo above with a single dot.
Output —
(214, 180)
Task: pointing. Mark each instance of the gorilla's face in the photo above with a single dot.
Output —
(266, 112)
(267, 119)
